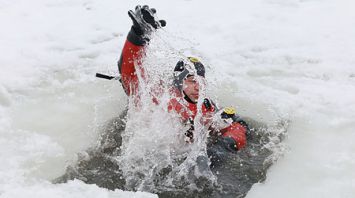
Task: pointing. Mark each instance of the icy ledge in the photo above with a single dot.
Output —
(72, 189)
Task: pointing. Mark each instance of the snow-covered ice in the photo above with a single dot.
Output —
(270, 58)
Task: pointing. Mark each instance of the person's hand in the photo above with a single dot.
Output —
(144, 20)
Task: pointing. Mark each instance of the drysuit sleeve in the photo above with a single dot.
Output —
(230, 127)
(130, 62)
(237, 131)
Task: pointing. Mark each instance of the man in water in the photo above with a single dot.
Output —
(228, 130)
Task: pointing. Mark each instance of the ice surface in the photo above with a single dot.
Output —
(270, 58)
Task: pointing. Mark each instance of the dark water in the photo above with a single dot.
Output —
(236, 171)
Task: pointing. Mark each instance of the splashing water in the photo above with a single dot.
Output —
(154, 135)
(145, 148)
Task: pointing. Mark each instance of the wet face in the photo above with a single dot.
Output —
(191, 88)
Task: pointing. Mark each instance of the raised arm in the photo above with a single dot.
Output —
(131, 55)
(144, 23)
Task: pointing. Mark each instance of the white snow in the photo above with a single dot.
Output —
(292, 59)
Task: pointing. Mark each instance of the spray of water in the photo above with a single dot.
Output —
(146, 149)
(155, 156)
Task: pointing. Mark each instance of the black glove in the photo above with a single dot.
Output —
(221, 150)
(228, 143)
(144, 21)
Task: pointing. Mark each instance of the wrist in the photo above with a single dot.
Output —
(136, 38)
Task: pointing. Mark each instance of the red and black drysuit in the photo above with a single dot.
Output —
(130, 62)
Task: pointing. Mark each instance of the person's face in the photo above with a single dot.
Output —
(191, 88)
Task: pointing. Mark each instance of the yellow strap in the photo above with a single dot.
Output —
(229, 110)
(193, 59)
